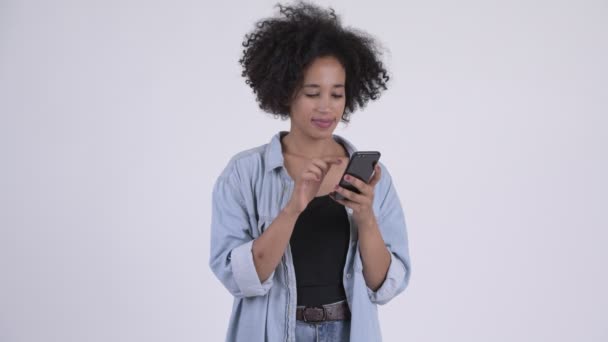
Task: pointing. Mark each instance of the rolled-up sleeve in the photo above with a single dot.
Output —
(231, 259)
(391, 222)
(245, 274)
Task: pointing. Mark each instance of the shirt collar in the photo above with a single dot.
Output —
(274, 150)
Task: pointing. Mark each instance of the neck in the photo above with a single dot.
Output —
(305, 146)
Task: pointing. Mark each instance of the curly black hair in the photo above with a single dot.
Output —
(279, 49)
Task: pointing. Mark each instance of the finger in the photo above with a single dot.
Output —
(347, 203)
(326, 162)
(377, 174)
(359, 184)
(341, 201)
(309, 175)
(351, 195)
(319, 165)
(316, 170)
(322, 165)
(332, 160)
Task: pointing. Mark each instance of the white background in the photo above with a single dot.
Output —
(117, 116)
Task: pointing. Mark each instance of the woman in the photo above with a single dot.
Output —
(302, 265)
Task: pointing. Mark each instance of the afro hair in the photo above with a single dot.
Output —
(278, 51)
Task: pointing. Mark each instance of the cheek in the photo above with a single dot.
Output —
(341, 103)
(303, 106)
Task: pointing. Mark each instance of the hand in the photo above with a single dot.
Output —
(307, 184)
(361, 204)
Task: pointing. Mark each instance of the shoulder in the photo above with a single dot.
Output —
(385, 175)
(244, 164)
(384, 187)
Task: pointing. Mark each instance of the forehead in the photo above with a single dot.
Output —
(325, 71)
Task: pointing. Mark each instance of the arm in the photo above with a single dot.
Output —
(231, 258)
(375, 257)
(383, 245)
(244, 265)
(390, 228)
(270, 246)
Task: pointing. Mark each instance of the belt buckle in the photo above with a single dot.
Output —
(314, 307)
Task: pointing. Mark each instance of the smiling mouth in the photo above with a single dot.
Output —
(322, 123)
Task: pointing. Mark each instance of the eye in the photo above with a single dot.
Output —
(333, 95)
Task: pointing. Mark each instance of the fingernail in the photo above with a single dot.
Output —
(347, 177)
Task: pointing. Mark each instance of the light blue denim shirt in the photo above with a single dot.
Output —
(249, 193)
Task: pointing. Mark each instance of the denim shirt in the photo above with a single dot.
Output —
(249, 193)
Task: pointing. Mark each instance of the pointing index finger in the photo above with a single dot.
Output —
(332, 160)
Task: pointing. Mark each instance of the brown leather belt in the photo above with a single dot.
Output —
(328, 312)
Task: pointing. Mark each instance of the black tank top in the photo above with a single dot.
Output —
(319, 244)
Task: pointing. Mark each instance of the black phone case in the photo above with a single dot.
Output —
(361, 165)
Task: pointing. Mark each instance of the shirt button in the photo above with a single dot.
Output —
(347, 275)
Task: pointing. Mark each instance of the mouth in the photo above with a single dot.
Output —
(323, 123)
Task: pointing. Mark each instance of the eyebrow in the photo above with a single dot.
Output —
(318, 86)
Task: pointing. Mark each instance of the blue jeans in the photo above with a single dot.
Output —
(328, 331)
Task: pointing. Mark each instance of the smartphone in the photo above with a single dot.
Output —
(361, 165)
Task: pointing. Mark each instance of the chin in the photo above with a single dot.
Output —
(322, 134)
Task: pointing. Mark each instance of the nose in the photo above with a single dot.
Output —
(323, 109)
(324, 105)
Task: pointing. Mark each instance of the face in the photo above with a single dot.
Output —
(318, 105)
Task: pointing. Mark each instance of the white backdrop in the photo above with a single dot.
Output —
(117, 116)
